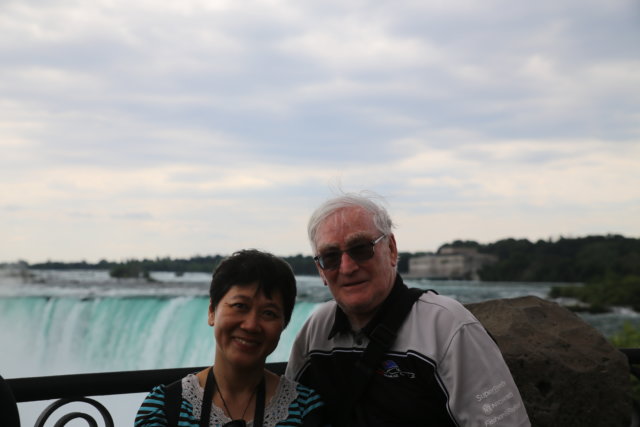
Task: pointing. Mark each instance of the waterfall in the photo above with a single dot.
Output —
(54, 336)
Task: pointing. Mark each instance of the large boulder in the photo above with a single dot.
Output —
(567, 372)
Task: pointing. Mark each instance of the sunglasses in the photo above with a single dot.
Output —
(359, 253)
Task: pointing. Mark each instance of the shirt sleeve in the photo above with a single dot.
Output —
(482, 390)
(311, 408)
(151, 412)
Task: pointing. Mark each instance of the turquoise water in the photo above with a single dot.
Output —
(84, 321)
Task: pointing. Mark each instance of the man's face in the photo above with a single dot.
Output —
(359, 288)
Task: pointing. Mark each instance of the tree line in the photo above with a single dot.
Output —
(608, 266)
(301, 265)
(581, 259)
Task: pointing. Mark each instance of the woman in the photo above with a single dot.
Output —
(252, 295)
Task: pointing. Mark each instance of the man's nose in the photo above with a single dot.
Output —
(347, 264)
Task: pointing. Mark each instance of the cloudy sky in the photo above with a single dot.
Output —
(141, 128)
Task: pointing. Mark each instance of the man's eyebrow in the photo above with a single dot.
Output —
(356, 238)
(328, 246)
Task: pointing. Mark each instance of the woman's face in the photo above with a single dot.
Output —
(247, 326)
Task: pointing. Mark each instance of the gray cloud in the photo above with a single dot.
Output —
(234, 119)
(136, 216)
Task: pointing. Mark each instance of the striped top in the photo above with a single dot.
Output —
(292, 405)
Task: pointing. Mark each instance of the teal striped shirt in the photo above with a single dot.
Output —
(305, 409)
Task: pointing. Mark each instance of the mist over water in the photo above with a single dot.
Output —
(64, 322)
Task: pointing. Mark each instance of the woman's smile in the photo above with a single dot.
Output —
(246, 342)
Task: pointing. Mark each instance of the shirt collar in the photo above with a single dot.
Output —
(341, 322)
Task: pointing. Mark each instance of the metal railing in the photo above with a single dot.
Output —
(75, 388)
(68, 389)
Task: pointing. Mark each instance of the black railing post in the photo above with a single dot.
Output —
(65, 389)
(8, 406)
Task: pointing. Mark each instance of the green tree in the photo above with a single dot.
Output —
(130, 270)
(629, 337)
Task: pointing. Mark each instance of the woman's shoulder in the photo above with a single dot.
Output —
(292, 385)
(151, 411)
(293, 404)
(156, 395)
(305, 391)
(192, 391)
(300, 395)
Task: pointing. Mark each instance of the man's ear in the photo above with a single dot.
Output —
(393, 250)
(321, 273)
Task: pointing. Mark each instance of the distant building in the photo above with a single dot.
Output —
(450, 263)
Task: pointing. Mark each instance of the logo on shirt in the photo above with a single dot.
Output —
(390, 369)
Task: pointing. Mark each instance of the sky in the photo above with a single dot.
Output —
(143, 129)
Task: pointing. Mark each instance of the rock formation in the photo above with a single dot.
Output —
(567, 372)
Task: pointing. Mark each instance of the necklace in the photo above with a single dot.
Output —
(207, 400)
(224, 403)
(245, 408)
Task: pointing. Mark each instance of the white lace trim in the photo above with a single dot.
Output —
(278, 407)
(276, 410)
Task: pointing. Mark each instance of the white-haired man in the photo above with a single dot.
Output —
(440, 368)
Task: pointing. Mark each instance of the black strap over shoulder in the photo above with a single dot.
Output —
(207, 398)
(381, 338)
(260, 400)
(172, 402)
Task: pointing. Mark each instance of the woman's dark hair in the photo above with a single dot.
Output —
(250, 266)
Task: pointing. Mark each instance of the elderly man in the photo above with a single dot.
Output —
(376, 363)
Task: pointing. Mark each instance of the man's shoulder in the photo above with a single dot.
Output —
(323, 309)
(431, 304)
(432, 323)
(322, 317)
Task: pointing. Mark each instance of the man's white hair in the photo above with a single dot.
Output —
(367, 200)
